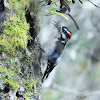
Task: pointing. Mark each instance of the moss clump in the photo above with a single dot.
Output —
(15, 29)
(9, 76)
(18, 4)
(15, 36)
(30, 86)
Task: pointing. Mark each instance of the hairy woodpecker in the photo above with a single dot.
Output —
(54, 49)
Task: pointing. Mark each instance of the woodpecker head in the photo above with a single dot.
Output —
(64, 31)
(66, 34)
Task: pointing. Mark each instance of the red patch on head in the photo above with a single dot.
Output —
(70, 35)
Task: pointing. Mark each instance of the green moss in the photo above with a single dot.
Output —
(13, 41)
(15, 30)
(19, 4)
(26, 95)
(30, 86)
(15, 35)
(9, 76)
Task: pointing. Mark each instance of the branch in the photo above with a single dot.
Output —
(75, 92)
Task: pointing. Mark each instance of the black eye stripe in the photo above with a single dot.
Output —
(66, 33)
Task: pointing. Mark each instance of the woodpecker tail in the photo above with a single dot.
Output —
(47, 71)
(45, 76)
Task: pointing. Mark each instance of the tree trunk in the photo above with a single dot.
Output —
(20, 72)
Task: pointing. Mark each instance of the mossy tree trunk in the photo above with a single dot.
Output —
(20, 72)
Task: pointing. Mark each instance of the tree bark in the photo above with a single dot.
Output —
(20, 72)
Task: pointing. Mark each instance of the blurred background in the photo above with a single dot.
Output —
(77, 75)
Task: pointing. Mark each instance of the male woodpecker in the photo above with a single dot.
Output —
(54, 49)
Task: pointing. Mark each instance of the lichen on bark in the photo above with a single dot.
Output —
(20, 72)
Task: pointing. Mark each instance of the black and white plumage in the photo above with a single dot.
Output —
(53, 50)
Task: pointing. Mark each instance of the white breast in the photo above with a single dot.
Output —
(48, 37)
